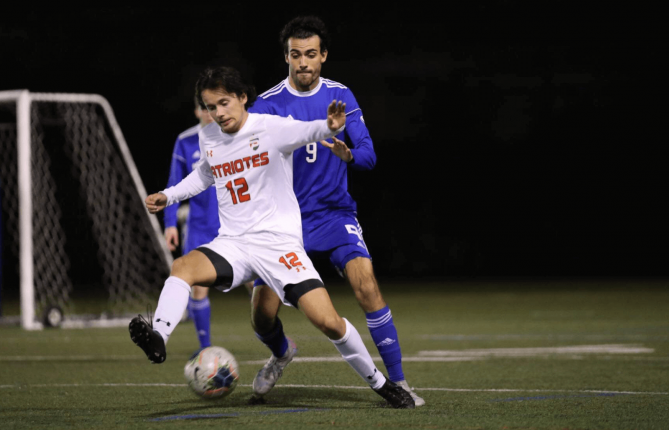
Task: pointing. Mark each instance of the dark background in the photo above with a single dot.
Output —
(511, 140)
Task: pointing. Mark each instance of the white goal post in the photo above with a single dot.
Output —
(74, 220)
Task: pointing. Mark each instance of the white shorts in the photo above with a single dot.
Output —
(279, 260)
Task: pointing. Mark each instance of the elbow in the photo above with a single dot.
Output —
(372, 162)
(368, 163)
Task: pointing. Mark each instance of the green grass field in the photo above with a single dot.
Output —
(535, 354)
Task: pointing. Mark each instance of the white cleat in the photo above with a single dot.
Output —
(417, 400)
(272, 370)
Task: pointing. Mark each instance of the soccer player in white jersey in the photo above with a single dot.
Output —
(330, 226)
(248, 158)
(202, 223)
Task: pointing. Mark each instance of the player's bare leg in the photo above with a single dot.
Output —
(360, 274)
(195, 268)
(200, 293)
(191, 269)
(265, 306)
(318, 308)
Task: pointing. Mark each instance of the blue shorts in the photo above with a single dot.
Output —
(339, 236)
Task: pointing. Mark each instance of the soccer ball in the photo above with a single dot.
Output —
(212, 372)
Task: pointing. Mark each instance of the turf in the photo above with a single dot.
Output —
(483, 354)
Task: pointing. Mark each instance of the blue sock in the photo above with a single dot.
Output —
(384, 334)
(275, 339)
(200, 313)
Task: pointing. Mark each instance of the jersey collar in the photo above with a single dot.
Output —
(310, 93)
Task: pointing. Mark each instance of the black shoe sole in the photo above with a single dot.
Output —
(141, 334)
(396, 396)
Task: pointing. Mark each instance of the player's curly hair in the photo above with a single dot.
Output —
(226, 78)
(303, 27)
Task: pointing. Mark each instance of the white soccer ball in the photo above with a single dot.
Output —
(212, 372)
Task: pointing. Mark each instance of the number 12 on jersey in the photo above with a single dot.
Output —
(241, 191)
(290, 260)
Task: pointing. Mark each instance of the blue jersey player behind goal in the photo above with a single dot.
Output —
(329, 213)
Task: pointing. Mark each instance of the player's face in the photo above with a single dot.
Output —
(304, 62)
(226, 109)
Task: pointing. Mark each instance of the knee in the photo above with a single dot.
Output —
(360, 274)
(365, 286)
(179, 268)
(332, 326)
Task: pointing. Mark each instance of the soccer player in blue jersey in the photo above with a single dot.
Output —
(329, 218)
(202, 223)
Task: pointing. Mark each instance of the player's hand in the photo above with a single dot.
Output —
(172, 238)
(339, 149)
(156, 202)
(336, 115)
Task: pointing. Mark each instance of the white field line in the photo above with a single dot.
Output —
(564, 337)
(71, 358)
(346, 387)
(329, 359)
(533, 352)
(336, 359)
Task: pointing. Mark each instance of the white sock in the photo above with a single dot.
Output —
(171, 306)
(355, 353)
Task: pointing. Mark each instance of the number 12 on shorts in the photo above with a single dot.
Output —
(290, 260)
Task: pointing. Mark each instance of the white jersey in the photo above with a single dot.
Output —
(253, 173)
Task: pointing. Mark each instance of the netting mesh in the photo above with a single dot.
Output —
(94, 248)
(51, 263)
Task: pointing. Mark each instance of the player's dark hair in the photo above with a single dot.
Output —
(303, 27)
(225, 78)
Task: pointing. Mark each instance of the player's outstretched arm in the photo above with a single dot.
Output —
(336, 115)
(156, 202)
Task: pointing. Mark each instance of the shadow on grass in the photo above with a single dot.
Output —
(294, 399)
(310, 398)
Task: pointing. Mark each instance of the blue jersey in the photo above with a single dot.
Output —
(202, 223)
(319, 177)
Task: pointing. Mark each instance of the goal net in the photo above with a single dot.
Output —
(77, 240)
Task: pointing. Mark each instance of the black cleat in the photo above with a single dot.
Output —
(396, 396)
(151, 342)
